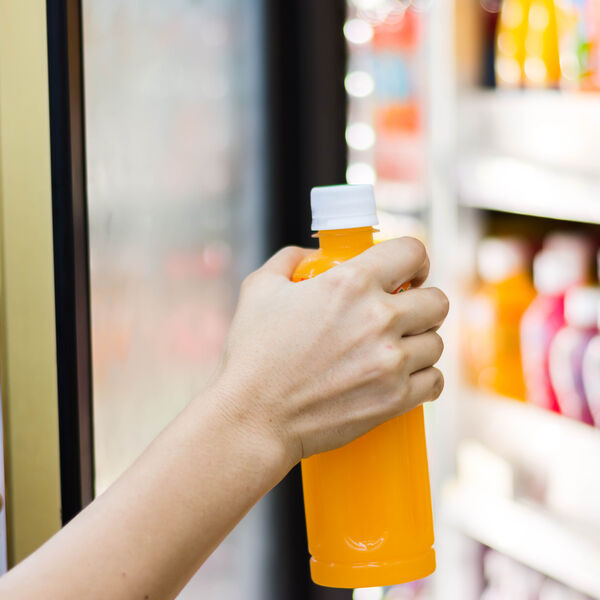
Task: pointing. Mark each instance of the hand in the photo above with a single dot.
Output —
(314, 365)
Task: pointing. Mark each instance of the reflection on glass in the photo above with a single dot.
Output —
(172, 118)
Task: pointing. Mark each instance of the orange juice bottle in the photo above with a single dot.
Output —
(542, 63)
(510, 43)
(368, 504)
(490, 326)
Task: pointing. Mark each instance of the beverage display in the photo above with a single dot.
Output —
(492, 314)
(368, 504)
(527, 44)
(554, 272)
(385, 122)
(567, 350)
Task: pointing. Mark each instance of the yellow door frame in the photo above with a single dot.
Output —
(27, 317)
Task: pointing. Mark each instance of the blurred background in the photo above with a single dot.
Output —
(187, 135)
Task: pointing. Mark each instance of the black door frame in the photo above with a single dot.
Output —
(306, 104)
(71, 254)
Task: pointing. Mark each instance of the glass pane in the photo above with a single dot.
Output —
(173, 117)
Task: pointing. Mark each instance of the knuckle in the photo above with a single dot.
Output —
(397, 400)
(415, 248)
(442, 300)
(439, 345)
(349, 278)
(437, 386)
(382, 315)
(392, 359)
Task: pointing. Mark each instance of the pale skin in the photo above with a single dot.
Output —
(307, 367)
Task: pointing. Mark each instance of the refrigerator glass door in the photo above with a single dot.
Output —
(174, 154)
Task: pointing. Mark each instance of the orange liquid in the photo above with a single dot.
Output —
(510, 42)
(368, 504)
(542, 63)
(491, 335)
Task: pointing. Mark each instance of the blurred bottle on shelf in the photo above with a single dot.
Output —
(552, 590)
(579, 43)
(511, 31)
(398, 151)
(590, 74)
(572, 241)
(591, 370)
(567, 350)
(555, 270)
(591, 375)
(527, 44)
(491, 331)
(508, 579)
(542, 63)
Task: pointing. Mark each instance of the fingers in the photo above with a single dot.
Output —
(421, 310)
(285, 261)
(395, 262)
(424, 386)
(422, 351)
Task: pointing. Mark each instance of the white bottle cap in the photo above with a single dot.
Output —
(555, 271)
(500, 258)
(570, 240)
(342, 207)
(581, 307)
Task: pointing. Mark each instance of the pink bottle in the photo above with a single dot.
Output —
(554, 272)
(591, 370)
(591, 376)
(567, 350)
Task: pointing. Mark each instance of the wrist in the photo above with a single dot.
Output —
(256, 438)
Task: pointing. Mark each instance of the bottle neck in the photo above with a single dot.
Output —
(346, 241)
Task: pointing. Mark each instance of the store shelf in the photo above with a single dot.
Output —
(525, 433)
(529, 534)
(557, 129)
(516, 186)
(531, 153)
(545, 512)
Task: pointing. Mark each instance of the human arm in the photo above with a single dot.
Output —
(307, 367)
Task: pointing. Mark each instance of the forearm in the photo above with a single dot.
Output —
(154, 527)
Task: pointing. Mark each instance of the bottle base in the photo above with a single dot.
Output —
(359, 575)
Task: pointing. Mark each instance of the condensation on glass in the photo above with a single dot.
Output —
(173, 124)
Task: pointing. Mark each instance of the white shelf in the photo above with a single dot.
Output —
(528, 534)
(531, 153)
(550, 458)
(515, 186)
(525, 433)
(556, 129)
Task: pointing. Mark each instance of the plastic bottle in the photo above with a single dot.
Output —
(368, 504)
(567, 350)
(591, 375)
(554, 272)
(591, 370)
(579, 43)
(492, 315)
(572, 241)
(542, 64)
(511, 30)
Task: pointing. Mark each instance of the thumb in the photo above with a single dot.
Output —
(285, 261)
